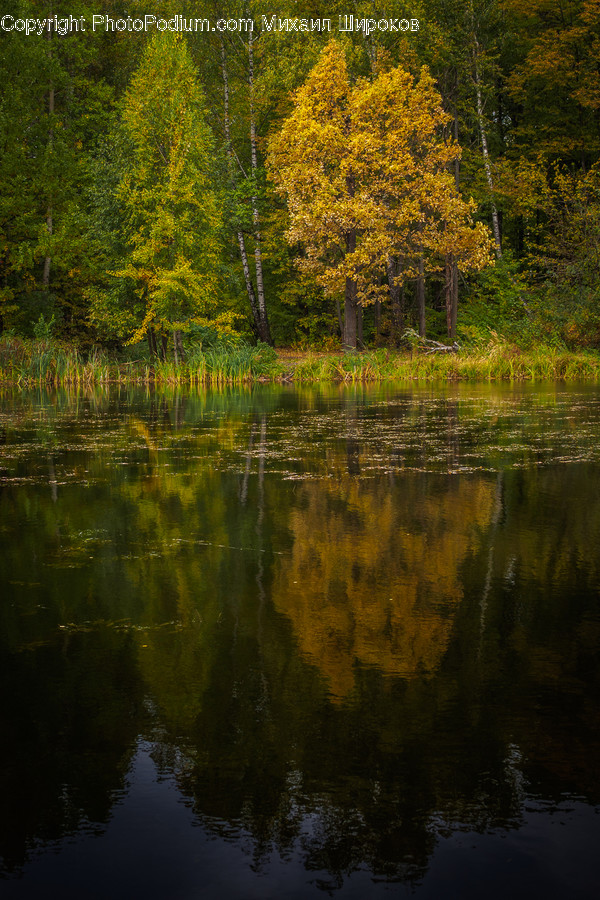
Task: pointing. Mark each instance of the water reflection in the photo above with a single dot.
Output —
(343, 628)
(373, 577)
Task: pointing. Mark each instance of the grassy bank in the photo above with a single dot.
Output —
(493, 364)
(27, 363)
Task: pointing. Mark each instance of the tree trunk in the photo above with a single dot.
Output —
(178, 349)
(240, 234)
(359, 326)
(350, 315)
(454, 264)
(152, 342)
(421, 298)
(451, 290)
(454, 297)
(457, 159)
(49, 215)
(485, 152)
(264, 330)
(394, 269)
(249, 285)
(338, 309)
(48, 258)
(350, 306)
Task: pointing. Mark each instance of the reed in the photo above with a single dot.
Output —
(501, 363)
(28, 363)
(232, 365)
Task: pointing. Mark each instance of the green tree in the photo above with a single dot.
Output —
(171, 208)
(565, 256)
(53, 105)
(555, 81)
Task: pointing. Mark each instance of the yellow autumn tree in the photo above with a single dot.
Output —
(365, 169)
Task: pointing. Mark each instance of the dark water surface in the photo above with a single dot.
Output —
(279, 643)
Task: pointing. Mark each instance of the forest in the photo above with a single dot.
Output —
(323, 176)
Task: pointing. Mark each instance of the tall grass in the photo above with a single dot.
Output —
(45, 362)
(28, 363)
(501, 363)
(227, 365)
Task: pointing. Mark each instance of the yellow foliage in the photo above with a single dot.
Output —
(393, 606)
(370, 160)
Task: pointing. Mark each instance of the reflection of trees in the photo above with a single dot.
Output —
(364, 781)
(542, 622)
(374, 573)
(452, 619)
(70, 715)
(110, 583)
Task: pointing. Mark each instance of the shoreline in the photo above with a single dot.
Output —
(31, 364)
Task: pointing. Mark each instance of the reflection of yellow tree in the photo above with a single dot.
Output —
(374, 578)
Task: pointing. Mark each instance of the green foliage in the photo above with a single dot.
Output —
(42, 329)
(302, 315)
(53, 107)
(566, 258)
(496, 360)
(171, 217)
(123, 190)
(203, 337)
(497, 300)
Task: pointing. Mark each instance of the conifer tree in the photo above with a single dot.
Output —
(53, 106)
(171, 208)
(366, 172)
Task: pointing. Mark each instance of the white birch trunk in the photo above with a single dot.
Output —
(485, 152)
(265, 332)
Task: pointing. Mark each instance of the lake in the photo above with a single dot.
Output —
(293, 643)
